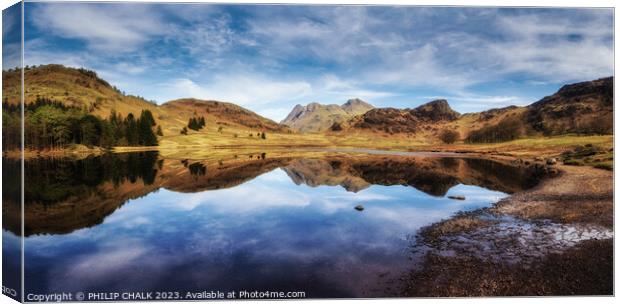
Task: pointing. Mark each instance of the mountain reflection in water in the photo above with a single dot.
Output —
(259, 222)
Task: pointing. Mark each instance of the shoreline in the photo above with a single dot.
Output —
(530, 243)
(520, 148)
(79, 153)
(572, 198)
(577, 185)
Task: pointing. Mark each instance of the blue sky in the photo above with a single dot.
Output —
(269, 58)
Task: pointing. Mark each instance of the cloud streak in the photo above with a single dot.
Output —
(109, 28)
(270, 58)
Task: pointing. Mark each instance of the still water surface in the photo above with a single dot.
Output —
(138, 222)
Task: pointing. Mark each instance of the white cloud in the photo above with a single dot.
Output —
(272, 98)
(276, 114)
(111, 259)
(250, 199)
(210, 36)
(541, 48)
(110, 28)
(421, 67)
(36, 52)
(11, 55)
(529, 26)
(344, 35)
(276, 57)
(468, 102)
(352, 197)
(552, 49)
(129, 68)
(241, 89)
(11, 38)
(10, 21)
(547, 50)
(285, 30)
(334, 86)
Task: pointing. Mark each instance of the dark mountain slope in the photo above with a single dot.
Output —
(585, 107)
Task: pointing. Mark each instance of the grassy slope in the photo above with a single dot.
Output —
(525, 147)
(229, 125)
(217, 114)
(536, 146)
(73, 88)
(86, 90)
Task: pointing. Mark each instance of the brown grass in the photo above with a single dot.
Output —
(580, 194)
(586, 269)
(563, 210)
(459, 223)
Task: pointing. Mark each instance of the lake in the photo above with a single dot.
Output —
(138, 222)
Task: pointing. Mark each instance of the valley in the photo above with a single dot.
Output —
(97, 154)
(577, 115)
(293, 152)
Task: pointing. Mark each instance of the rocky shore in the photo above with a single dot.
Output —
(553, 239)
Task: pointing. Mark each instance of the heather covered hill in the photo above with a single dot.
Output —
(391, 120)
(584, 108)
(434, 111)
(316, 117)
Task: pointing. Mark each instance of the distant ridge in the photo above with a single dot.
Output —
(584, 107)
(316, 117)
(579, 108)
(391, 120)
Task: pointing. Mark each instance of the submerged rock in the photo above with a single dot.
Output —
(551, 161)
(359, 208)
(457, 197)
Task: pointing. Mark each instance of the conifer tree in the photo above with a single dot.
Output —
(131, 130)
(146, 137)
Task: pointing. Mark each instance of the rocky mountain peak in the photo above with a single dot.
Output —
(436, 110)
(316, 117)
(295, 113)
(356, 106)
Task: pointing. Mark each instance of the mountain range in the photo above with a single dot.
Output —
(316, 117)
(582, 108)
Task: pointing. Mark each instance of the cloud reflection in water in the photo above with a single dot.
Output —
(267, 234)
